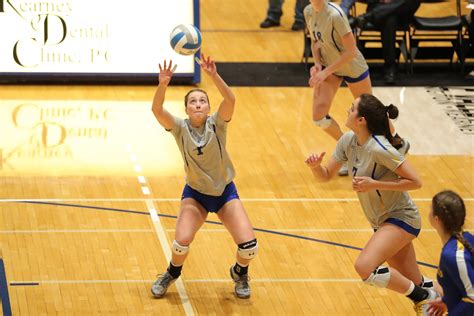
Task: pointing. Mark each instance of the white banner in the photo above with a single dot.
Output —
(91, 36)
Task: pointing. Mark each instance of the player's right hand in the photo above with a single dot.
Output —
(166, 72)
(315, 69)
(314, 160)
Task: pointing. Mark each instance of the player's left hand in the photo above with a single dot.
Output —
(318, 78)
(208, 65)
(363, 184)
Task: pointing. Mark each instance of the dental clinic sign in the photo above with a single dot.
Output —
(91, 36)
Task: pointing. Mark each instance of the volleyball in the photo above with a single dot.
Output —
(185, 39)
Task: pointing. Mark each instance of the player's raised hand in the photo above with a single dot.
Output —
(208, 65)
(166, 72)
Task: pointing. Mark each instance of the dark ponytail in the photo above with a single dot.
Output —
(449, 207)
(392, 111)
(376, 115)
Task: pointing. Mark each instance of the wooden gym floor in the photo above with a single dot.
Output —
(91, 186)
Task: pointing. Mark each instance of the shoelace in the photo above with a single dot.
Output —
(243, 280)
(167, 278)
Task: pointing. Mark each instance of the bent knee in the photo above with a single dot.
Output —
(179, 249)
(319, 113)
(248, 250)
(324, 123)
(363, 268)
(184, 240)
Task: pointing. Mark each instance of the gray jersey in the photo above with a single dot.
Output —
(327, 28)
(206, 162)
(377, 159)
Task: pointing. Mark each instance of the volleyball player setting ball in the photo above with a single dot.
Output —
(201, 138)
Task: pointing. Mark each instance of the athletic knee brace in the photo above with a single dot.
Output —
(178, 249)
(324, 123)
(248, 250)
(380, 277)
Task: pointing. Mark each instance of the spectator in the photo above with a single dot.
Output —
(275, 12)
(386, 16)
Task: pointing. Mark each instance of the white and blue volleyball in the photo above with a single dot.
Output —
(185, 39)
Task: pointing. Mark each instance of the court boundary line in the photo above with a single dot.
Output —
(164, 242)
(250, 200)
(219, 223)
(210, 280)
(92, 231)
(160, 231)
(6, 307)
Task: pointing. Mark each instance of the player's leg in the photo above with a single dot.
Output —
(191, 217)
(235, 219)
(323, 96)
(359, 87)
(384, 244)
(405, 263)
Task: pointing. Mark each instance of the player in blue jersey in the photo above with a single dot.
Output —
(456, 265)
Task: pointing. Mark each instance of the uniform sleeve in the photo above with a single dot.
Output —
(178, 125)
(341, 147)
(307, 12)
(341, 24)
(461, 272)
(388, 156)
(218, 121)
(219, 126)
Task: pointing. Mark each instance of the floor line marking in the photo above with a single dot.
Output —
(209, 230)
(6, 307)
(329, 200)
(165, 246)
(226, 280)
(161, 234)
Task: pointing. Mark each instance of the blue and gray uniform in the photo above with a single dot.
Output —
(206, 161)
(456, 276)
(327, 28)
(378, 159)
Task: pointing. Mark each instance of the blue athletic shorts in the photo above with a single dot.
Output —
(406, 227)
(364, 75)
(211, 203)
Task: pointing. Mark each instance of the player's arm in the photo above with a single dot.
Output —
(164, 117)
(226, 108)
(408, 179)
(349, 53)
(315, 51)
(322, 173)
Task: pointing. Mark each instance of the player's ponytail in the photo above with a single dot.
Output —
(466, 244)
(376, 115)
(449, 207)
